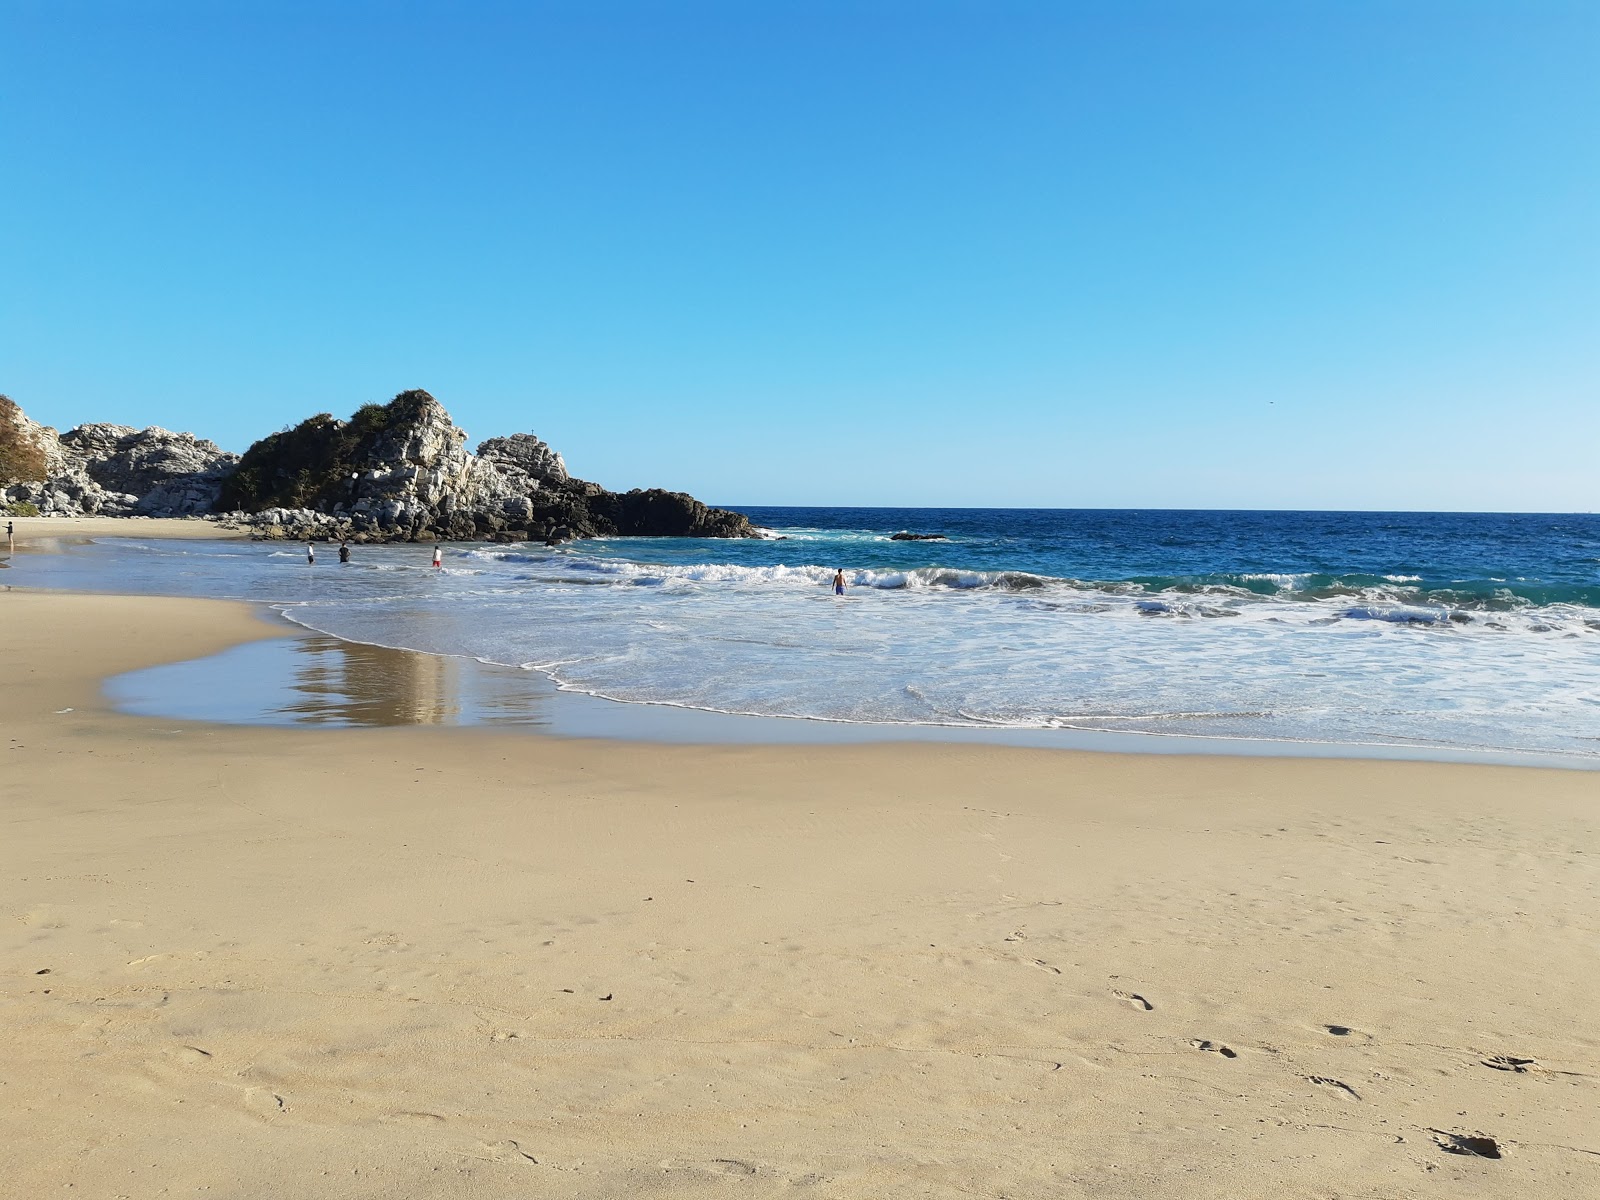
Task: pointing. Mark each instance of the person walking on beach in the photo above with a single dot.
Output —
(838, 582)
(344, 552)
(438, 555)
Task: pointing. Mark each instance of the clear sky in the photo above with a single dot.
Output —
(1194, 254)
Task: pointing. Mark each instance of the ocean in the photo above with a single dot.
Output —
(1453, 630)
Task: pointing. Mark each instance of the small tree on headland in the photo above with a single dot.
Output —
(21, 458)
(310, 464)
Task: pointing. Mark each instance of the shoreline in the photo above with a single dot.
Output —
(46, 535)
(557, 708)
(550, 709)
(466, 690)
(253, 623)
(457, 961)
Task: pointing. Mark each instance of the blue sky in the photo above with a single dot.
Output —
(1276, 254)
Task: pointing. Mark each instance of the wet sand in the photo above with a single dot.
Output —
(43, 533)
(465, 962)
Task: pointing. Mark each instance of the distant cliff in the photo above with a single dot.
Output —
(396, 471)
(107, 470)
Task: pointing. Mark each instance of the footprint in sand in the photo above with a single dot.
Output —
(1134, 999)
(264, 1101)
(717, 1166)
(191, 1056)
(42, 918)
(1211, 1047)
(1473, 1145)
(1044, 966)
(1334, 1085)
(507, 1151)
(1346, 1031)
(1504, 1062)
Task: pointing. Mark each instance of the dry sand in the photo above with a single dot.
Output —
(270, 962)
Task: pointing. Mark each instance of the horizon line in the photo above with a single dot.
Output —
(1399, 512)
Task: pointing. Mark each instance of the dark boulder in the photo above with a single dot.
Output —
(655, 513)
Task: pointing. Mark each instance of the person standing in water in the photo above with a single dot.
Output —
(838, 582)
(438, 555)
(311, 553)
(344, 552)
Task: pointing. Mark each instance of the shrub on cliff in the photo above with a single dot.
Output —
(310, 464)
(22, 459)
(286, 469)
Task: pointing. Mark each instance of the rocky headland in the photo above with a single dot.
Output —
(399, 471)
(107, 470)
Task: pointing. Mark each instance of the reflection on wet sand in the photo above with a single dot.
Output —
(319, 680)
(346, 683)
(350, 684)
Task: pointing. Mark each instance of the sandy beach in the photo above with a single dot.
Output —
(47, 533)
(745, 601)
(424, 962)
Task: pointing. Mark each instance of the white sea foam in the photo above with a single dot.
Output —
(1285, 581)
(1004, 649)
(946, 646)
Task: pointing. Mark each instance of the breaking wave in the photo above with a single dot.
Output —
(1448, 629)
(1402, 599)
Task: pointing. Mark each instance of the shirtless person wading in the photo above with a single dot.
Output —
(838, 582)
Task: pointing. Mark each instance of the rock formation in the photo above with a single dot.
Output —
(392, 472)
(401, 471)
(526, 453)
(118, 471)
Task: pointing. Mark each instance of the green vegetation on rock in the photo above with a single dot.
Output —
(22, 459)
(310, 464)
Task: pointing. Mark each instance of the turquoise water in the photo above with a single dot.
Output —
(1463, 631)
